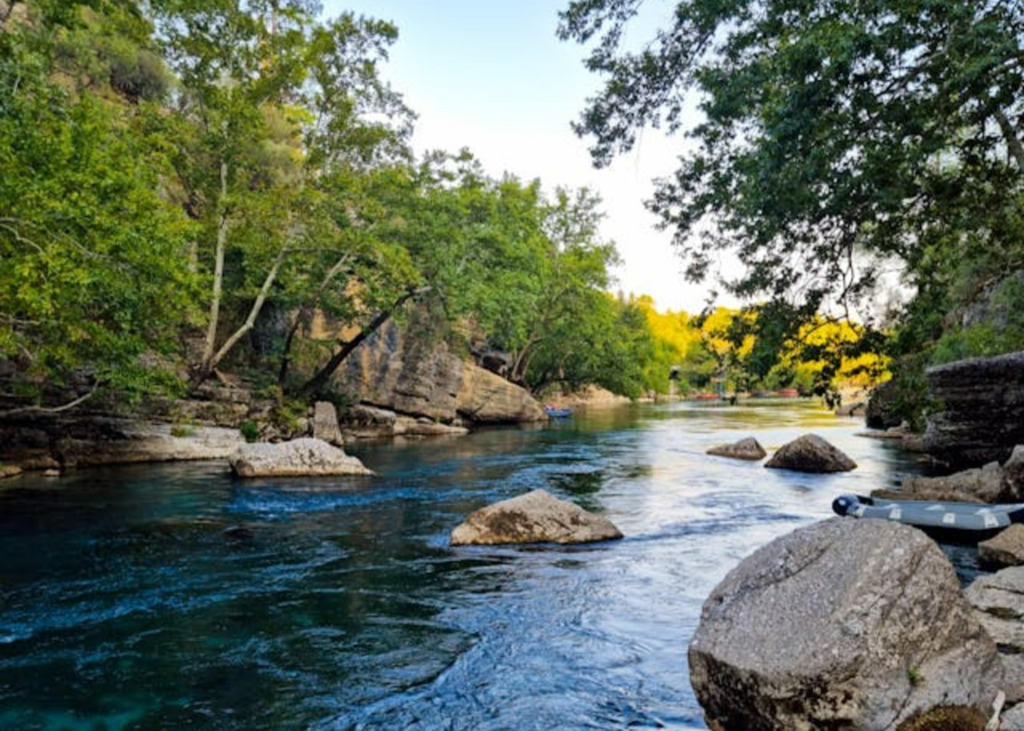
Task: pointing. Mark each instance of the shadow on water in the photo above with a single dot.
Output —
(170, 596)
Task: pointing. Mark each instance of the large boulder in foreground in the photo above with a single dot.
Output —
(299, 457)
(811, 453)
(748, 448)
(536, 517)
(854, 624)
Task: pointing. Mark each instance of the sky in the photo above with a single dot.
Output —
(493, 77)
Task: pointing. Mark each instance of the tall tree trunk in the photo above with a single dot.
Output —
(254, 312)
(218, 274)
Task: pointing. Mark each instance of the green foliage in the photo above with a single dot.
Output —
(830, 132)
(92, 276)
(997, 327)
(250, 431)
(835, 140)
(915, 676)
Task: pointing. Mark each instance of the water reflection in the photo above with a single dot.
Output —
(171, 596)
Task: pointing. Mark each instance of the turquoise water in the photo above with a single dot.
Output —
(173, 597)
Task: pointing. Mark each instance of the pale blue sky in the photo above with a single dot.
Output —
(492, 76)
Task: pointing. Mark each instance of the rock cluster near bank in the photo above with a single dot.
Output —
(808, 453)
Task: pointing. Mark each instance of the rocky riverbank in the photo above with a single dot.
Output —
(862, 624)
(392, 385)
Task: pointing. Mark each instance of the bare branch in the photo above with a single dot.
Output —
(51, 409)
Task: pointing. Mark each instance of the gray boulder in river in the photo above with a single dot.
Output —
(811, 453)
(748, 448)
(854, 624)
(297, 458)
(536, 517)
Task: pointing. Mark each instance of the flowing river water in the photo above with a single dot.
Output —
(173, 597)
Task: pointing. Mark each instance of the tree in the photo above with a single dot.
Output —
(92, 281)
(835, 135)
(281, 116)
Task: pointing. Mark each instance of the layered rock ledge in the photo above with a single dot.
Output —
(982, 416)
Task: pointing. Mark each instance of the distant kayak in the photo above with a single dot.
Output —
(555, 412)
(962, 522)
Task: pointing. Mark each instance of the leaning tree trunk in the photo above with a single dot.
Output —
(322, 376)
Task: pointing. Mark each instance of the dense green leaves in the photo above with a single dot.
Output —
(831, 144)
(92, 274)
(187, 185)
(835, 134)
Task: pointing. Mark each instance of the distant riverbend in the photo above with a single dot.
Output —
(171, 596)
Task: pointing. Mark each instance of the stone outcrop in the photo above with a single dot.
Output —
(935, 496)
(536, 517)
(1013, 474)
(89, 440)
(985, 484)
(486, 398)
(982, 410)
(421, 378)
(998, 601)
(299, 457)
(811, 453)
(991, 483)
(748, 448)
(854, 624)
(881, 412)
(1004, 549)
(325, 423)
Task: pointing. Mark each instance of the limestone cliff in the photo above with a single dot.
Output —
(398, 371)
(982, 416)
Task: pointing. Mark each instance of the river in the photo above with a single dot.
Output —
(172, 597)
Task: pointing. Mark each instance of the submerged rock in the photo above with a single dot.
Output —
(811, 453)
(536, 517)
(842, 624)
(748, 448)
(299, 457)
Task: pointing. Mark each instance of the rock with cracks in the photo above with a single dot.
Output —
(748, 448)
(811, 453)
(299, 457)
(1004, 549)
(855, 624)
(536, 517)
